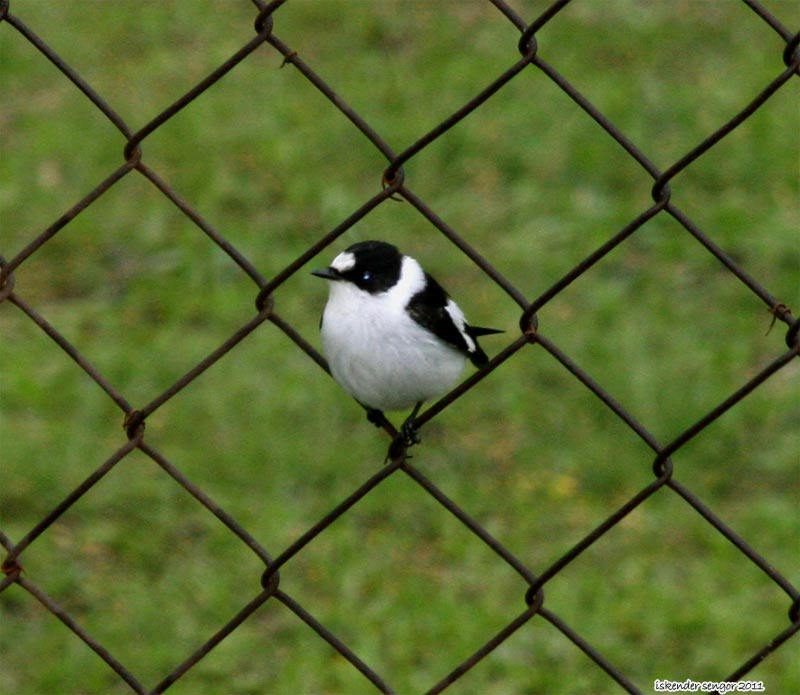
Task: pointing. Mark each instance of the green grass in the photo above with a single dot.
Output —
(530, 453)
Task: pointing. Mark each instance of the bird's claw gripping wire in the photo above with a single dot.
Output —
(409, 431)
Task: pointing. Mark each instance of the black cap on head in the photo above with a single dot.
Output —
(374, 266)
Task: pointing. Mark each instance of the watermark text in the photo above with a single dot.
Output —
(662, 685)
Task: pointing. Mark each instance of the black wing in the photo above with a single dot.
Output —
(428, 308)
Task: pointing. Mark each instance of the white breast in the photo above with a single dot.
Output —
(378, 353)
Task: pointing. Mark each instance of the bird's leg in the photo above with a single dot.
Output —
(375, 416)
(410, 429)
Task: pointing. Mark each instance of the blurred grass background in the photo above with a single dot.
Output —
(532, 183)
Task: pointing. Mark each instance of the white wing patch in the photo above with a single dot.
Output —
(460, 322)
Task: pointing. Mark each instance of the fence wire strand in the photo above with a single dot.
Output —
(267, 38)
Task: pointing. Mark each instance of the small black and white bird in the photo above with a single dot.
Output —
(392, 335)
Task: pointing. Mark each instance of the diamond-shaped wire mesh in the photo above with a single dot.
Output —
(241, 532)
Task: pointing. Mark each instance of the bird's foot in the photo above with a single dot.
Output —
(406, 438)
(398, 449)
(409, 431)
(375, 416)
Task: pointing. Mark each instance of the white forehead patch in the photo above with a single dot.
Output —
(343, 262)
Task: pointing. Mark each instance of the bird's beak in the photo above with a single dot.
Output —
(327, 274)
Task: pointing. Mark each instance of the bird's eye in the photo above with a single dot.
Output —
(366, 276)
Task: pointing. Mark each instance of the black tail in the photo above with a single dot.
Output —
(476, 331)
(478, 357)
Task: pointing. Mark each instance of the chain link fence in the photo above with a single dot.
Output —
(529, 55)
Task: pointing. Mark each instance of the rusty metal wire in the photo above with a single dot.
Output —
(267, 37)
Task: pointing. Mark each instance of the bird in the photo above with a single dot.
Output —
(392, 335)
